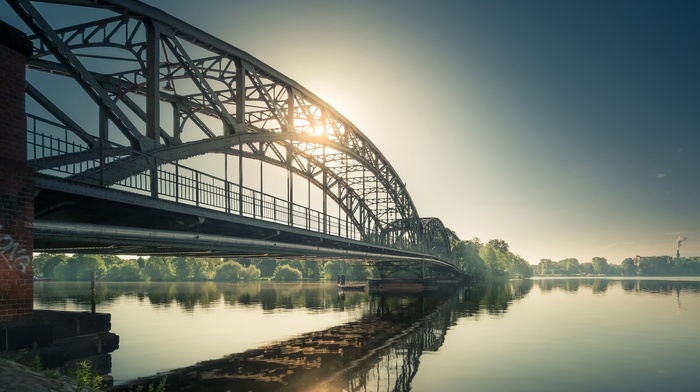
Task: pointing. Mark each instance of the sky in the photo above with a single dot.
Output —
(566, 128)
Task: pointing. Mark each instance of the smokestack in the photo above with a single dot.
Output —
(679, 241)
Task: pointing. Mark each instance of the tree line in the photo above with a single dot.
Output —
(480, 261)
(639, 266)
(493, 259)
(79, 267)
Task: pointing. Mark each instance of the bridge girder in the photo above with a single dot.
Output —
(139, 60)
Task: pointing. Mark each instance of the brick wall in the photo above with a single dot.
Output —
(16, 182)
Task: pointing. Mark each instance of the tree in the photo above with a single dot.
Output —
(520, 267)
(110, 260)
(63, 271)
(184, 268)
(655, 266)
(467, 252)
(546, 267)
(331, 269)
(159, 269)
(359, 271)
(38, 263)
(493, 260)
(568, 267)
(250, 272)
(229, 270)
(628, 267)
(600, 265)
(47, 269)
(312, 269)
(498, 245)
(587, 268)
(266, 266)
(114, 273)
(286, 272)
(205, 268)
(87, 264)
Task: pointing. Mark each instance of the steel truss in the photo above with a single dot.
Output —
(166, 91)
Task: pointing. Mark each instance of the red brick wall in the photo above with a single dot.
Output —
(16, 183)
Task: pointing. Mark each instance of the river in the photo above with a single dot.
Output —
(602, 334)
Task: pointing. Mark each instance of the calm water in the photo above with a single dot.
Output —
(527, 335)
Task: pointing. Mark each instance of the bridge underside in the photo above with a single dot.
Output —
(129, 224)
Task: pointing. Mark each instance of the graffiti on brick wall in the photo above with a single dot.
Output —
(12, 252)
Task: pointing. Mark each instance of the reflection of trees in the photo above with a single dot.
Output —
(492, 297)
(601, 285)
(572, 284)
(668, 287)
(187, 295)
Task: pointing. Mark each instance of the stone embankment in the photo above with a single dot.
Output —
(19, 378)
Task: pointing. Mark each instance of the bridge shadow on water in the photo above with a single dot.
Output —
(380, 351)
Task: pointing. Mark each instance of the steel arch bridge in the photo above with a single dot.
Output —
(149, 135)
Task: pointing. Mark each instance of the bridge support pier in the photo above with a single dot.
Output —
(16, 181)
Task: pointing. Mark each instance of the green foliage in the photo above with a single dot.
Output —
(184, 268)
(38, 263)
(563, 267)
(228, 271)
(266, 267)
(358, 271)
(639, 266)
(467, 254)
(151, 387)
(250, 272)
(78, 267)
(331, 269)
(286, 273)
(62, 271)
(655, 266)
(114, 273)
(43, 264)
(205, 268)
(159, 269)
(628, 268)
(86, 380)
(124, 271)
(311, 269)
(481, 262)
(110, 259)
(36, 365)
(601, 266)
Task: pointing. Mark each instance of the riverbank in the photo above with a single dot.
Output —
(16, 377)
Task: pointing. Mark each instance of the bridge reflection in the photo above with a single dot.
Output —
(380, 351)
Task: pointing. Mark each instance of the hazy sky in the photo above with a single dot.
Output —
(566, 128)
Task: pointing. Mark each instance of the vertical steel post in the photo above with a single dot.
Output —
(153, 95)
(227, 191)
(325, 190)
(239, 97)
(240, 179)
(104, 136)
(290, 186)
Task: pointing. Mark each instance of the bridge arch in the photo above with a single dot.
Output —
(181, 93)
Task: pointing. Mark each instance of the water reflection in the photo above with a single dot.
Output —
(601, 285)
(188, 295)
(378, 351)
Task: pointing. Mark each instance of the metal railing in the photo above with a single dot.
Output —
(47, 139)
